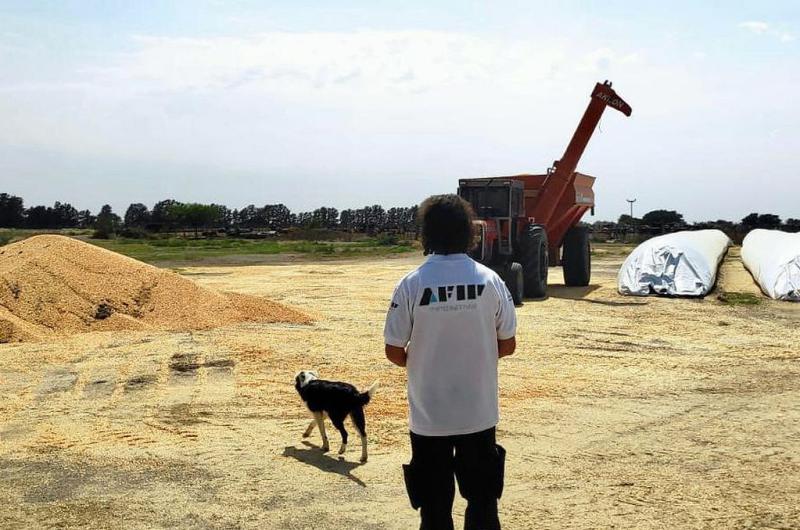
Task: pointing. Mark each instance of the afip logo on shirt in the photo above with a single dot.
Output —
(446, 293)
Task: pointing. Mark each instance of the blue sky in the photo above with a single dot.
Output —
(353, 103)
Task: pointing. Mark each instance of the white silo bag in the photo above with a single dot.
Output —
(680, 264)
(773, 258)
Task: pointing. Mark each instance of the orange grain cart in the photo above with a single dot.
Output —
(529, 222)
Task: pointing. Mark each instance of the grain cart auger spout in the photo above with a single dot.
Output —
(528, 222)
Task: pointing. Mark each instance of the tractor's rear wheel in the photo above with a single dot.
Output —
(515, 282)
(534, 260)
(576, 258)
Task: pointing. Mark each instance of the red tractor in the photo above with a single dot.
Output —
(528, 222)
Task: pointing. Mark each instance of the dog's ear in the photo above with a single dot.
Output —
(314, 373)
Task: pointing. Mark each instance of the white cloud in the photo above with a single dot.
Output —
(755, 26)
(371, 61)
(758, 27)
(370, 116)
(602, 59)
(248, 102)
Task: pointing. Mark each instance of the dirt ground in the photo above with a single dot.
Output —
(616, 413)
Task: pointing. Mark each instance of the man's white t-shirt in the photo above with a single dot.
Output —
(449, 314)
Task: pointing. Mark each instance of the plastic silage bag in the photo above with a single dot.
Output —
(679, 264)
(773, 258)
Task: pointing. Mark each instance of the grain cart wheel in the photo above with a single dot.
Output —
(515, 282)
(577, 258)
(533, 256)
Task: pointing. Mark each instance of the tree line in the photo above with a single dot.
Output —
(670, 219)
(170, 215)
(665, 221)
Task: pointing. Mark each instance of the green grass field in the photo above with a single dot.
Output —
(11, 235)
(177, 249)
(188, 250)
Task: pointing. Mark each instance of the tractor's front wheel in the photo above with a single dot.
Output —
(534, 260)
(515, 282)
(576, 259)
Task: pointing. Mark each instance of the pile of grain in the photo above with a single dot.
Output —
(54, 285)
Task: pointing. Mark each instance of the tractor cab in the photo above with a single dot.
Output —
(494, 197)
(499, 205)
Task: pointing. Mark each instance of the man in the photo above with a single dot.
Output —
(449, 322)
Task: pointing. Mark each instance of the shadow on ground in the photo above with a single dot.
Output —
(313, 455)
(579, 294)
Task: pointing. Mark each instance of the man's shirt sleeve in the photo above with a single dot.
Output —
(397, 330)
(506, 316)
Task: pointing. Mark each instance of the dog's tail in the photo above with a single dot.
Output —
(366, 396)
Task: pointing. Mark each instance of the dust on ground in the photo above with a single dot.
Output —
(616, 412)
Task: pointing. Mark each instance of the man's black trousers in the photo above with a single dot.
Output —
(475, 460)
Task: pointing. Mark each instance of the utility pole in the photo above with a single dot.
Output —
(631, 201)
(633, 223)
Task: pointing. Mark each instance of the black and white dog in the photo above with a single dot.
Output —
(337, 401)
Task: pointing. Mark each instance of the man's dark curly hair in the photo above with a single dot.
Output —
(447, 226)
